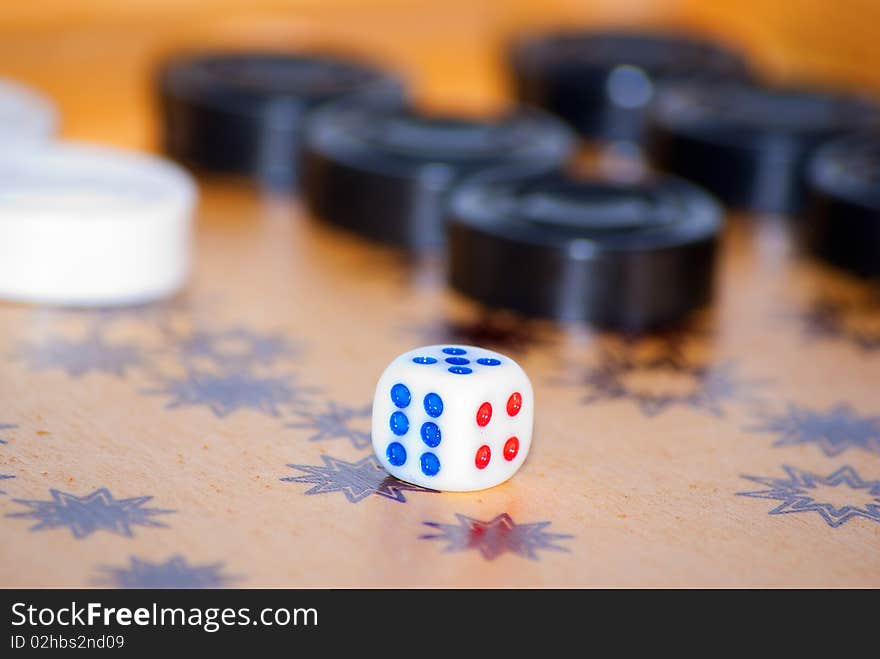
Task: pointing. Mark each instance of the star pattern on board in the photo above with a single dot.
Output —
(356, 480)
(176, 572)
(799, 493)
(707, 385)
(496, 332)
(335, 422)
(672, 340)
(77, 357)
(834, 431)
(500, 535)
(86, 515)
(6, 426)
(228, 392)
(833, 318)
(4, 477)
(236, 348)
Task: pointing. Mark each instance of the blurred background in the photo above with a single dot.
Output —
(110, 48)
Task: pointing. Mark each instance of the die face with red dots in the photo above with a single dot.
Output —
(453, 417)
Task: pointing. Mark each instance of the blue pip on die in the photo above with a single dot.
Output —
(453, 417)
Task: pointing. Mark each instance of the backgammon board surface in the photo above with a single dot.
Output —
(222, 438)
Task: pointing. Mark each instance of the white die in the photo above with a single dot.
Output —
(453, 417)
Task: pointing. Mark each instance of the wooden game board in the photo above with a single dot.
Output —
(222, 438)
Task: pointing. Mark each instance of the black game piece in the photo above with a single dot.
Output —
(243, 113)
(749, 145)
(843, 224)
(603, 82)
(627, 256)
(387, 174)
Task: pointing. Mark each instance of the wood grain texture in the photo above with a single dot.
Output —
(640, 450)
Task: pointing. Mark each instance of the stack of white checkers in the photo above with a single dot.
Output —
(84, 225)
(26, 116)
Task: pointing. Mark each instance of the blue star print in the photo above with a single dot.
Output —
(834, 431)
(838, 319)
(6, 426)
(176, 572)
(85, 515)
(498, 536)
(229, 392)
(708, 385)
(4, 477)
(236, 348)
(356, 480)
(800, 492)
(78, 357)
(335, 422)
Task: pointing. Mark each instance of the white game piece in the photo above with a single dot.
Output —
(26, 115)
(453, 417)
(83, 225)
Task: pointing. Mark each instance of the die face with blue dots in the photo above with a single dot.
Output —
(453, 417)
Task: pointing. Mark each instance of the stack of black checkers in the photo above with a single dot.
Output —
(602, 83)
(749, 145)
(386, 174)
(843, 224)
(633, 257)
(522, 231)
(243, 113)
